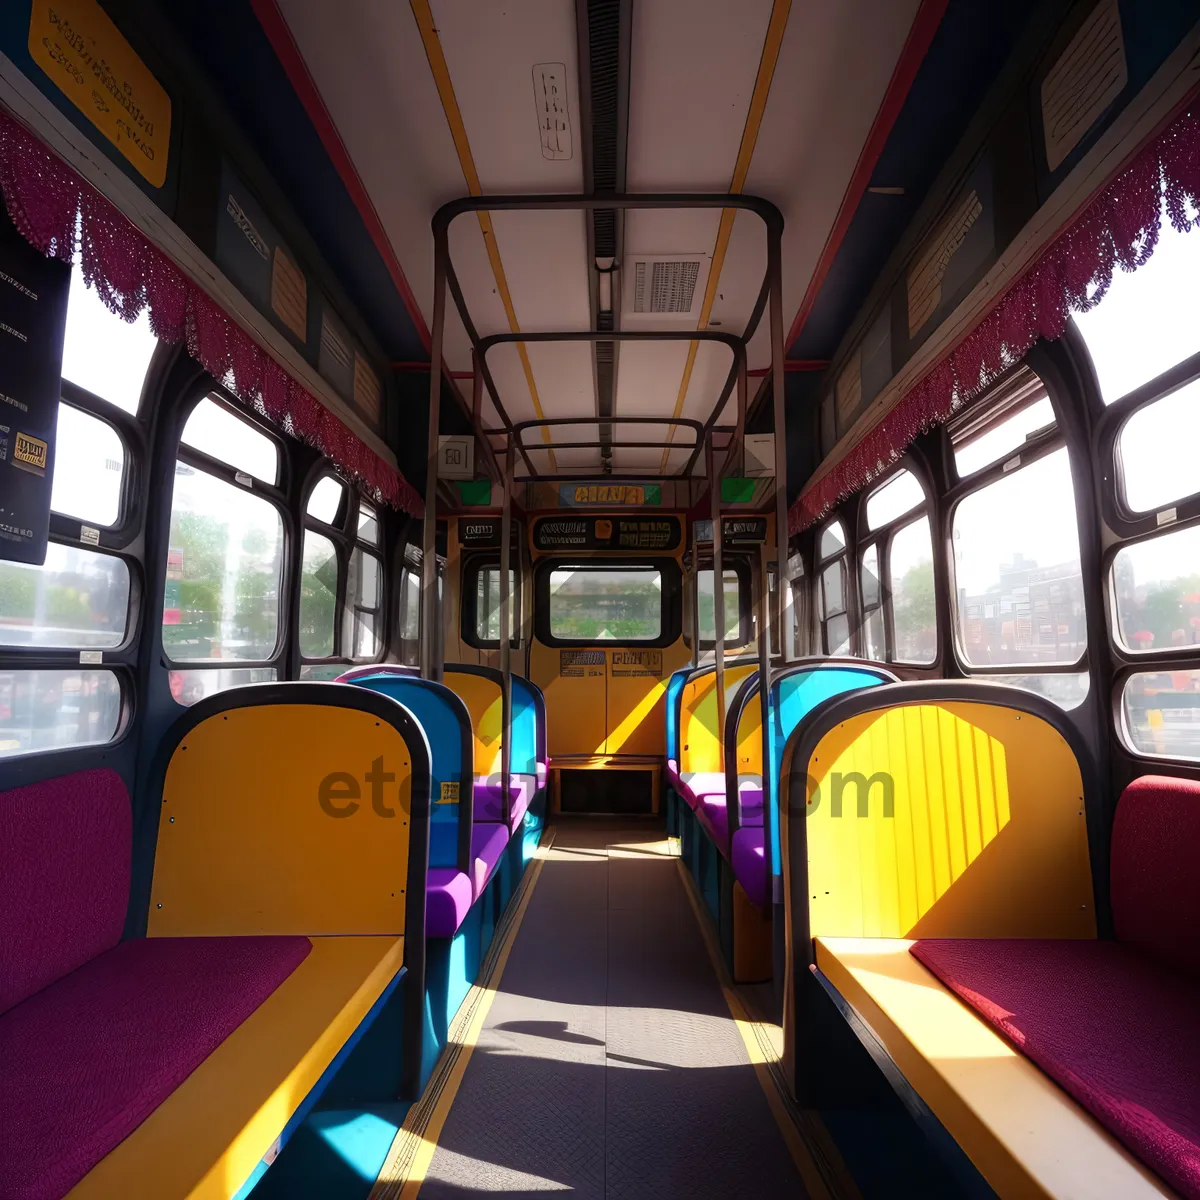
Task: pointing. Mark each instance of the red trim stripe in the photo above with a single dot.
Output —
(920, 36)
(288, 53)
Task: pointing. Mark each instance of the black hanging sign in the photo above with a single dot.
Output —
(33, 319)
(744, 531)
(483, 533)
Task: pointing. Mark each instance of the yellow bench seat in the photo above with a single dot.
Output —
(211, 1133)
(1026, 1136)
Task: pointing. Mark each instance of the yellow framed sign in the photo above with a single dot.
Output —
(90, 62)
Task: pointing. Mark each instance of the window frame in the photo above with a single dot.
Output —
(275, 494)
(882, 538)
(670, 573)
(821, 618)
(740, 566)
(474, 563)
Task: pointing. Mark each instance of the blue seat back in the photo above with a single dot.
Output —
(674, 696)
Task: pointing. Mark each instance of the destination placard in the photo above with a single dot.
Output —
(33, 319)
(609, 495)
(653, 534)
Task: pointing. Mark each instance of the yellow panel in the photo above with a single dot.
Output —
(212, 1131)
(699, 735)
(1027, 1137)
(245, 845)
(87, 59)
(485, 702)
(749, 738)
(575, 703)
(987, 837)
(636, 716)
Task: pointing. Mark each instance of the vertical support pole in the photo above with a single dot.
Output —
(505, 635)
(431, 666)
(764, 688)
(714, 492)
(695, 598)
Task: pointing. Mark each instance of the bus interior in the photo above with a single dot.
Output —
(599, 597)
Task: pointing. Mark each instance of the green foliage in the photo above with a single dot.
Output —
(318, 603)
(17, 591)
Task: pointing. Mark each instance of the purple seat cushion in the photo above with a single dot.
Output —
(90, 1057)
(714, 817)
(448, 897)
(1156, 870)
(749, 863)
(64, 877)
(489, 798)
(750, 796)
(1115, 1029)
(697, 784)
(487, 848)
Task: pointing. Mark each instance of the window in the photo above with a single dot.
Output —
(410, 601)
(78, 600)
(225, 561)
(1149, 319)
(872, 602)
(1161, 712)
(189, 686)
(901, 494)
(832, 601)
(368, 525)
(57, 709)
(102, 353)
(1018, 411)
(1156, 592)
(326, 500)
(1017, 572)
(364, 594)
(1157, 451)
(318, 596)
(736, 591)
(89, 468)
(591, 603)
(481, 607)
(910, 576)
(215, 431)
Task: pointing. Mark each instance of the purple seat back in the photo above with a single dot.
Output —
(65, 849)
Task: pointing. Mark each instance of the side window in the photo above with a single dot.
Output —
(1018, 587)
(832, 605)
(409, 614)
(896, 581)
(738, 605)
(76, 606)
(1144, 342)
(341, 581)
(220, 621)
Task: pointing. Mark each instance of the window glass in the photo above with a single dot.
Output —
(223, 570)
(321, 673)
(318, 596)
(1159, 460)
(77, 599)
(52, 710)
(89, 466)
(832, 587)
(368, 525)
(1156, 591)
(732, 633)
(1016, 564)
(832, 540)
(362, 604)
(1002, 438)
(215, 431)
(487, 604)
(411, 628)
(902, 493)
(1162, 713)
(189, 686)
(914, 613)
(837, 635)
(869, 576)
(606, 604)
(326, 499)
(1066, 690)
(1150, 318)
(101, 352)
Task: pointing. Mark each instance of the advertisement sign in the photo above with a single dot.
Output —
(33, 319)
(607, 533)
(609, 495)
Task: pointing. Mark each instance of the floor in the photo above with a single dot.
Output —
(608, 1065)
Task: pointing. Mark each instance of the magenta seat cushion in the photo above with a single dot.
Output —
(487, 848)
(90, 1057)
(1113, 1028)
(448, 897)
(747, 858)
(64, 877)
(489, 798)
(715, 818)
(1155, 870)
(697, 784)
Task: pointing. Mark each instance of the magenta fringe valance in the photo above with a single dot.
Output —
(1119, 228)
(65, 217)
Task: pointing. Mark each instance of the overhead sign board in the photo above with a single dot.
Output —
(609, 495)
(735, 531)
(654, 534)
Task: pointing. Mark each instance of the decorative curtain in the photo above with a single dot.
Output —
(1119, 228)
(64, 217)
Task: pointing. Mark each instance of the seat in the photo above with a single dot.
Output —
(489, 799)
(747, 857)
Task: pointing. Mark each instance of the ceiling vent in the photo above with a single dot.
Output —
(663, 287)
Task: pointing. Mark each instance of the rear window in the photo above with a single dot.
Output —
(606, 604)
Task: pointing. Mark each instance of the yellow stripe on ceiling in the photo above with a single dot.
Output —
(458, 131)
(754, 115)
